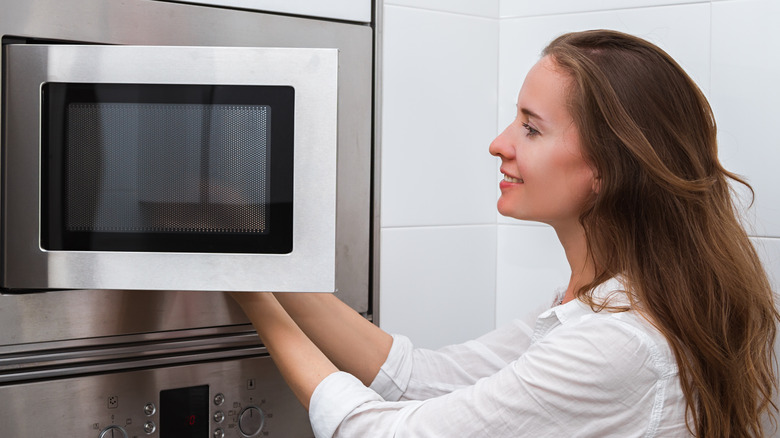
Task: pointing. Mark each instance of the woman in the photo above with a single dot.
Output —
(666, 327)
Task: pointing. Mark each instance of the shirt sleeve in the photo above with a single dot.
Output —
(589, 377)
(419, 374)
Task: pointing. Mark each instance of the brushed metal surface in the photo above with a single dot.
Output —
(313, 73)
(85, 406)
(376, 215)
(86, 314)
(159, 23)
(349, 10)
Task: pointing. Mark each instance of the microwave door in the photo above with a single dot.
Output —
(170, 168)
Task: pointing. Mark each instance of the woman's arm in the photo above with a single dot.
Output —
(591, 377)
(354, 344)
(301, 363)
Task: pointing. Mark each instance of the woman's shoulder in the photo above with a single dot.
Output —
(608, 326)
(613, 360)
(616, 337)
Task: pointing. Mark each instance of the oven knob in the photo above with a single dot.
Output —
(150, 427)
(113, 432)
(250, 421)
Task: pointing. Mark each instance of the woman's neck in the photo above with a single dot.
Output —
(575, 245)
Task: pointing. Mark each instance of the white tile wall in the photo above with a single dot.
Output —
(526, 8)
(683, 31)
(481, 8)
(438, 283)
(745, 93)
(439, 116)
(531, 269)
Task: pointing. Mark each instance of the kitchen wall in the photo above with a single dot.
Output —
(451, 268)
(438, 218)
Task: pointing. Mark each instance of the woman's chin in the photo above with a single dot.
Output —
(506, 212)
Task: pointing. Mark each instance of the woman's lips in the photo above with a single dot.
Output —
(509, 181)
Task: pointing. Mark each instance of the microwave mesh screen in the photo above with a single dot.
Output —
(148, 167)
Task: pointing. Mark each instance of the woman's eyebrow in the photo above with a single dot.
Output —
(530, 113)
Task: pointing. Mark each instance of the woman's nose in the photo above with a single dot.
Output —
(500, 146)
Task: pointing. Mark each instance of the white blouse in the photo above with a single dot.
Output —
(577, 374)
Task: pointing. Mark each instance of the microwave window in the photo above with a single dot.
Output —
(167, 168)
(168, 176)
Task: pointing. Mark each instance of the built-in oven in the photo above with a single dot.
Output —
(154, 154)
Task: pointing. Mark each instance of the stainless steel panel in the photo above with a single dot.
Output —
(159, 23)
(86, 314)
(86, 406)
(345, 10)
(313, 73)
(377, 162)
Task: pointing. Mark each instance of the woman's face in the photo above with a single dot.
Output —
(546, 178)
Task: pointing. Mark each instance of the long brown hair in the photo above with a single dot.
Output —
(663, 218)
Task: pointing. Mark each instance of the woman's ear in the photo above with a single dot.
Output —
(596, 184)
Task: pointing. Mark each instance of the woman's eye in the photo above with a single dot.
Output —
(531, 131)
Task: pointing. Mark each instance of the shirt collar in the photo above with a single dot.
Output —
(611, 291)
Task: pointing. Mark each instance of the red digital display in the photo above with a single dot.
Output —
(184, 412)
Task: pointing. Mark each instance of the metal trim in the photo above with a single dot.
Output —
(376, 219)
(55, 360)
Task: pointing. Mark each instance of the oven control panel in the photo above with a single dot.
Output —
(242, 398)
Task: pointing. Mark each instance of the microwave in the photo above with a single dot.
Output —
(170, 167)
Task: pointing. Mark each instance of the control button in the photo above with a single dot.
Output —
(219, 399)
(219, 433)
(150, 409)
(150, 427)
(219, 416)
(250, 421)
(113, 432)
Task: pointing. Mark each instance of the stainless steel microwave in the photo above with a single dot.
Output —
(170, 167)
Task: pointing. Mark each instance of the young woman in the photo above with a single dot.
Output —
(668, 322)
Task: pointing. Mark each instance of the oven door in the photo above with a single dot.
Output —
(170, 168)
